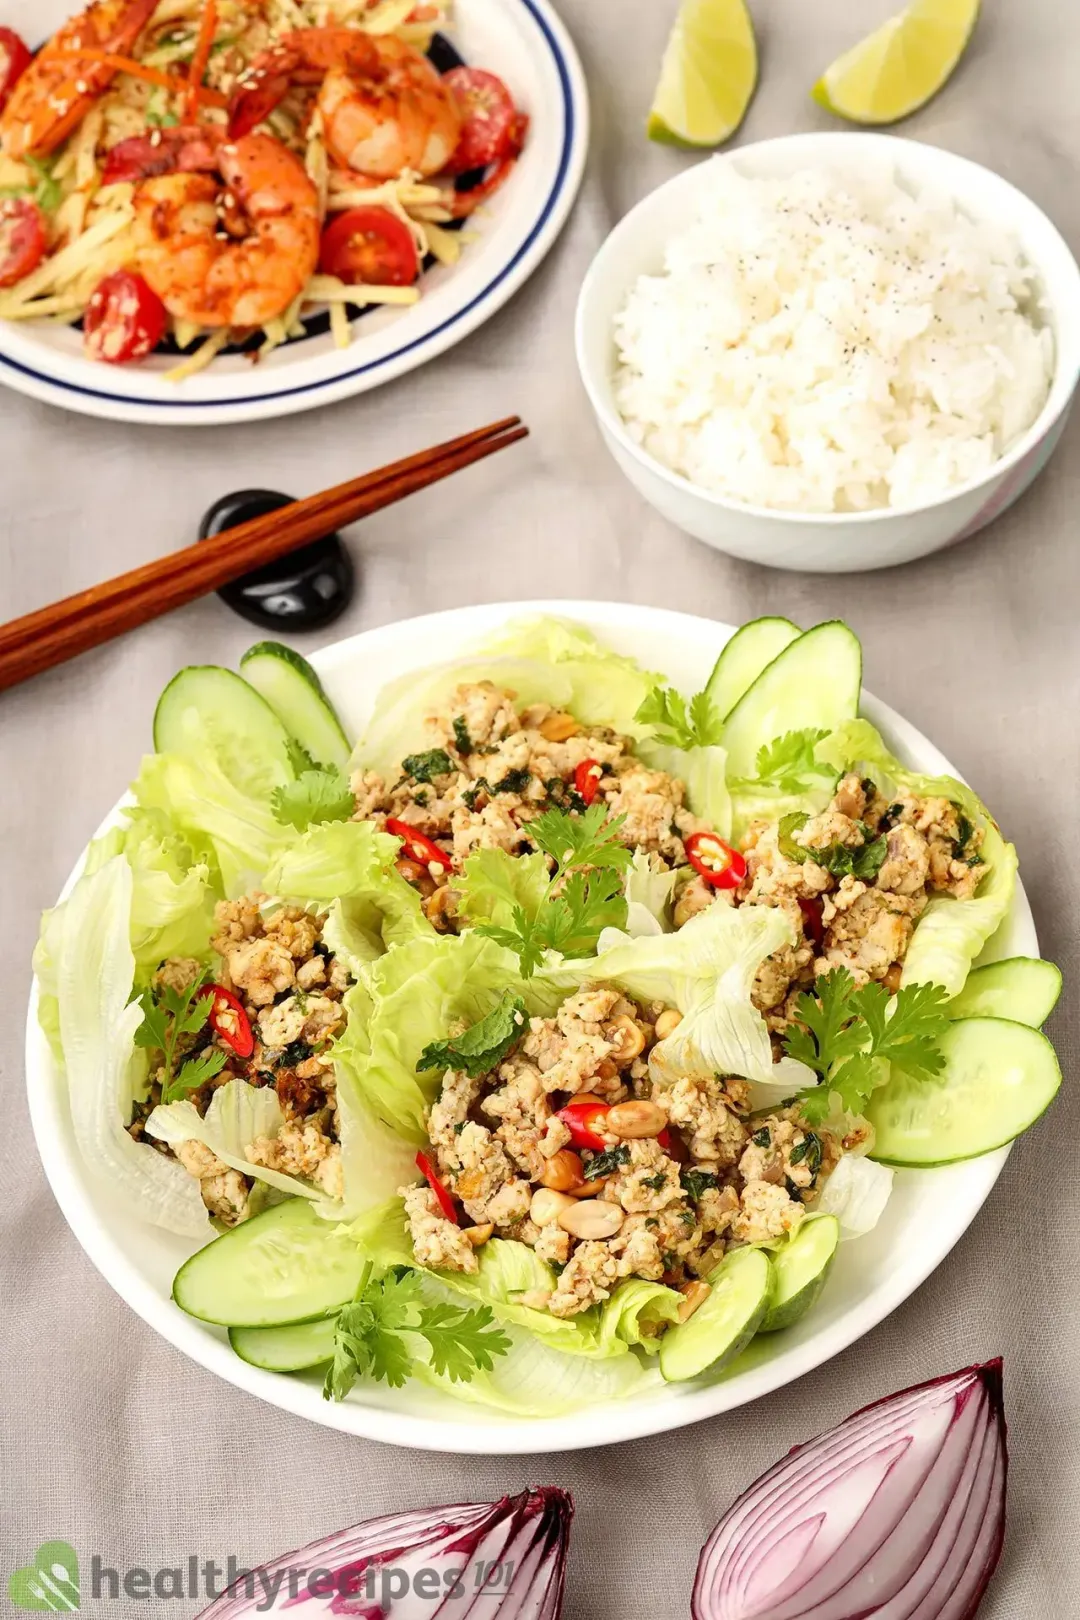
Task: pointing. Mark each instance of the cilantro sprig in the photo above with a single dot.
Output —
(481, 1047)
(319, 793)
(584, 896)
(168, 1016)
(678, 723)
(845, 1034)
(790, 764)
(375, 1335)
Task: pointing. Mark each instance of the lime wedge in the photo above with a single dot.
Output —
(707, 76)
(898, 67)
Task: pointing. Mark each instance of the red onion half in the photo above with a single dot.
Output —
(478, 1561)
(896, 1514)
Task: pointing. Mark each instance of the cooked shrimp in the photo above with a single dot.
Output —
(234, 250)
(384, 108)
(57, 90)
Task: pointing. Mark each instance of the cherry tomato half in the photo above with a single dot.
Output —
(492, 127)
(419, 847)
(715, 861)
(446, 1203)
(125, 319)
(15, 58)
(230, 1022)
(22, 239)
(370, 245)
(587, 779)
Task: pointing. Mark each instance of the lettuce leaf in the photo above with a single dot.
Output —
(200, 801)
(539, 660)
(237, 1114)
(703, 772)
(650, 892)
(494, 883)
(856, 1193)
(86, 967)
(635, 1313)
(951, 933)
(175, 886)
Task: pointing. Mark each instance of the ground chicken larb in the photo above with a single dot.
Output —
(681, 1172)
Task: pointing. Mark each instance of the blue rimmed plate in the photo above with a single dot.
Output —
(521, 40)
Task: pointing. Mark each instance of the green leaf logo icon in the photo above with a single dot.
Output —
(50, 1582)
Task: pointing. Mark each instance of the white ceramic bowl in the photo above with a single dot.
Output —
(929, 1210)
(829, 542)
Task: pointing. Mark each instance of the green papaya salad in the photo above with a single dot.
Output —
(550, 1038)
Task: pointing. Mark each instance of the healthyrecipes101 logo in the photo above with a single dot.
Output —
(51, 1582)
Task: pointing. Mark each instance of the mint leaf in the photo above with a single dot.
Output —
(481, 1047)
(426, 767)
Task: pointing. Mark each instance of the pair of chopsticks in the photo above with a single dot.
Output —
(41, 640)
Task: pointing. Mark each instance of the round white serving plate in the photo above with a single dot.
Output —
(526, 44)
(928, 1213)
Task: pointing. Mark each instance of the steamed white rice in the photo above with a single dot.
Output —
(828, 342)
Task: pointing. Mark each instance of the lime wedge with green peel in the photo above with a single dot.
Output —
(896, 69)
(707, 76)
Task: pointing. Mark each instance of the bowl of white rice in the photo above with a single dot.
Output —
(832, 351)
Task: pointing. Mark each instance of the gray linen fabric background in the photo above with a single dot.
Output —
(110, 1439)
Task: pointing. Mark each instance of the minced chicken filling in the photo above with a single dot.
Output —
(679, 1174)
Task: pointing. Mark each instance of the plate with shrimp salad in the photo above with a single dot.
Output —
(222, 210)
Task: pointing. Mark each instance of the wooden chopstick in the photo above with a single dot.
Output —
(41, 640)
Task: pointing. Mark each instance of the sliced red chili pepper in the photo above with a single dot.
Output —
(587, 779)
(715, 861)
(419, 847)
(230, 1022)
(813, 921)
(580, 1118)
(446, 1203)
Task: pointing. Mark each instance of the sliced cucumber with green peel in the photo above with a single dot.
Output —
(286, 1349)
(745, 656)
(1022, 988)
(799, 1270)
(725, 1323)
(285, 1265)
(814, 682)
(207, 704)
(295, 693)
(999, 1077)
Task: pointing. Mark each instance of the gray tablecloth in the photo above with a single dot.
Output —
(114, 1442)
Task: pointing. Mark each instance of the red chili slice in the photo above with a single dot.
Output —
(580, 1119)
(230, 1022)
(587, 779)
(715, 861)
(370, 245)
(125, 319)
(419, 847)
(492, 124)
(15, 58)
(813, 922)
(22, 239)
(446, 1203)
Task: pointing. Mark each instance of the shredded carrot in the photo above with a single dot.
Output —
(203, 46)
(125, 64)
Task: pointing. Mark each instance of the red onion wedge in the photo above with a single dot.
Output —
(896, 1514)
(477, 1561)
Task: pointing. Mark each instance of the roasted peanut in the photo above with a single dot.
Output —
(667, 1022)
(436, 907)
(589, 1189)
(635, 1119)
(547, 1205)
(694, 1295)
(627, 1039)
(558, 726)
(563, 1171)
(592, 1218)
(417, 875)
(478, 1235)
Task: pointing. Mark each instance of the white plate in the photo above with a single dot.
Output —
(521, 40)
(929, 1210)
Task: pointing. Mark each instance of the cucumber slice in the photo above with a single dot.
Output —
(1022, 988)
(815, 682)
(296, 695)
(286, 1349)
(745, 656)
(999, 1077)
(724, 1325)
(285, 1265)
(799, 1270)
(204, 702)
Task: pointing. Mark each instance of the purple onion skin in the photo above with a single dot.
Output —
(954, 1594)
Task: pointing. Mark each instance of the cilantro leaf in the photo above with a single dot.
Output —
(461, 1341)
(481, 1047)
(168, 1015)
(426, 767)
(577, 841)
(152, 1032)
(299, 758)
(789, 763)
(573, 920)
(523, 938)
(697, 724)
(195, 1073)
(316, 796)
(909, 1037)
